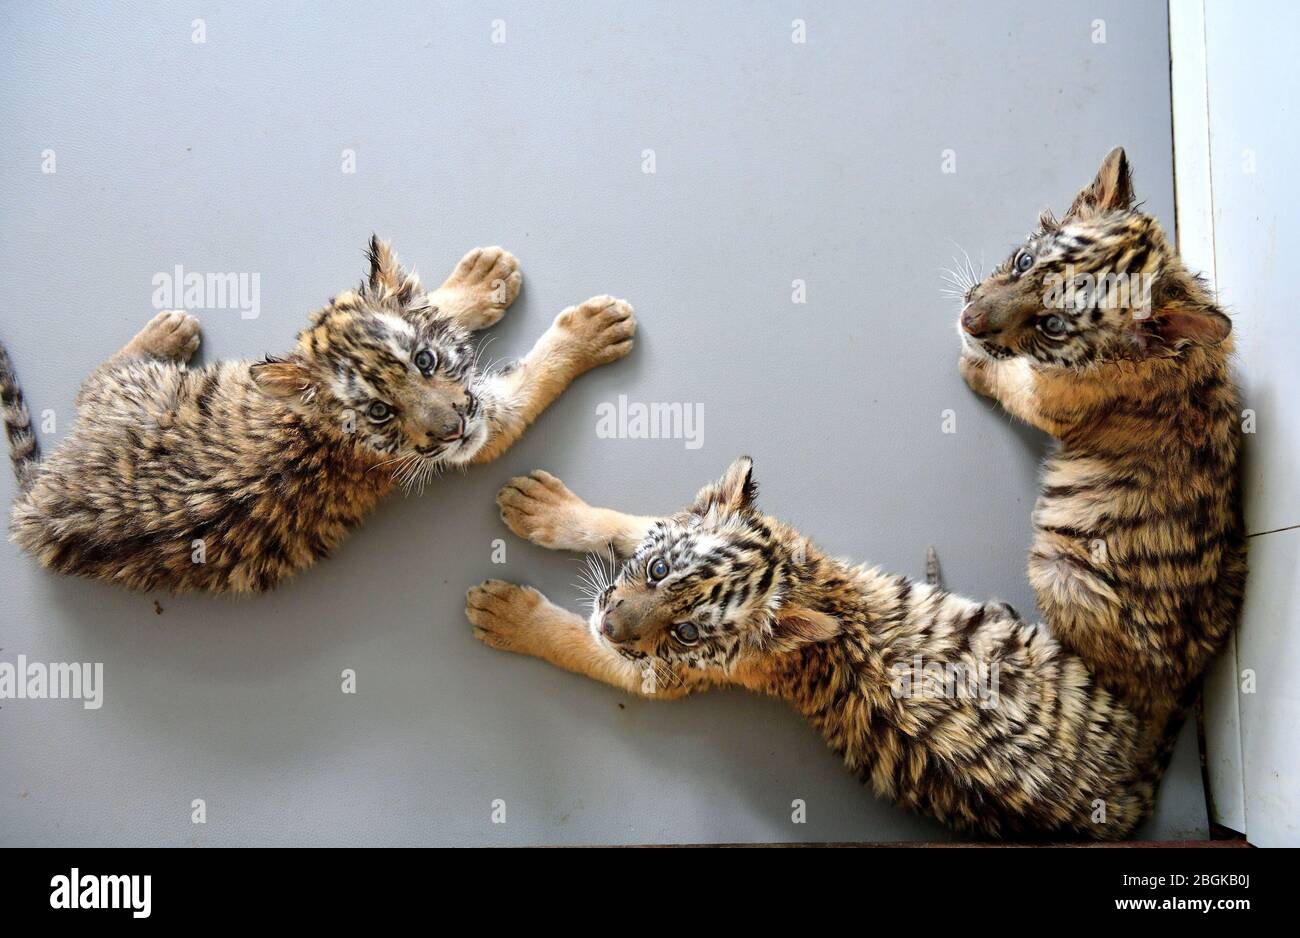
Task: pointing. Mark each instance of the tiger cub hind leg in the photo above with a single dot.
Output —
(172, 336)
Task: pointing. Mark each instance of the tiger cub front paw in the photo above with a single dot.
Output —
(481, 288)
(978, 374)
(540, 508)
(504, 615)
(596, 332)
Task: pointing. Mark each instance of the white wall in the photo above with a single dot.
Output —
(1235, 85)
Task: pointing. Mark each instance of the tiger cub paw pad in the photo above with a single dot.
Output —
(172, 335)
(482, 287)
(540, 508)
(502, 613)
(596, 332)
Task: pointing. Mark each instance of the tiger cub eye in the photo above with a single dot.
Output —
(1054, 325)
(657, 570)
(686, 633)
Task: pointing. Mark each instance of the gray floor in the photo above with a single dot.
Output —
(774, 161)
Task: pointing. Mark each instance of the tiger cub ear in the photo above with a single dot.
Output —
(1183, 313)
(283, 379)
(1111, 191)
(735, 491)
(1198, 326)
(795, 626)
(388, 280)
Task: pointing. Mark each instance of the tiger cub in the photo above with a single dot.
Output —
(950, 707)
(1094, 331)
(234, 476)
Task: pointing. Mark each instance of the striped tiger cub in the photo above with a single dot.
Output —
(958, 709)
(1094, 331)
(235, 476)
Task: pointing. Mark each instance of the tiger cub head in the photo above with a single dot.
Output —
(710, 588)
(381, 367)
(1098, 285)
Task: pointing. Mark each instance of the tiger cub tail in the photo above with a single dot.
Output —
(23, 450)
(931, 566)
(1160, 750)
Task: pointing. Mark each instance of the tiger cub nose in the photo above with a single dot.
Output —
(615, 625)
(974, 322)
(453, 428)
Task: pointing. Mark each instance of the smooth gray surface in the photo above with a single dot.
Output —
(775, 161)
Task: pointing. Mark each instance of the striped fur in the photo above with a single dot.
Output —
(234, 476)
(955, 708)
(24, 452)
(1139, 557)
